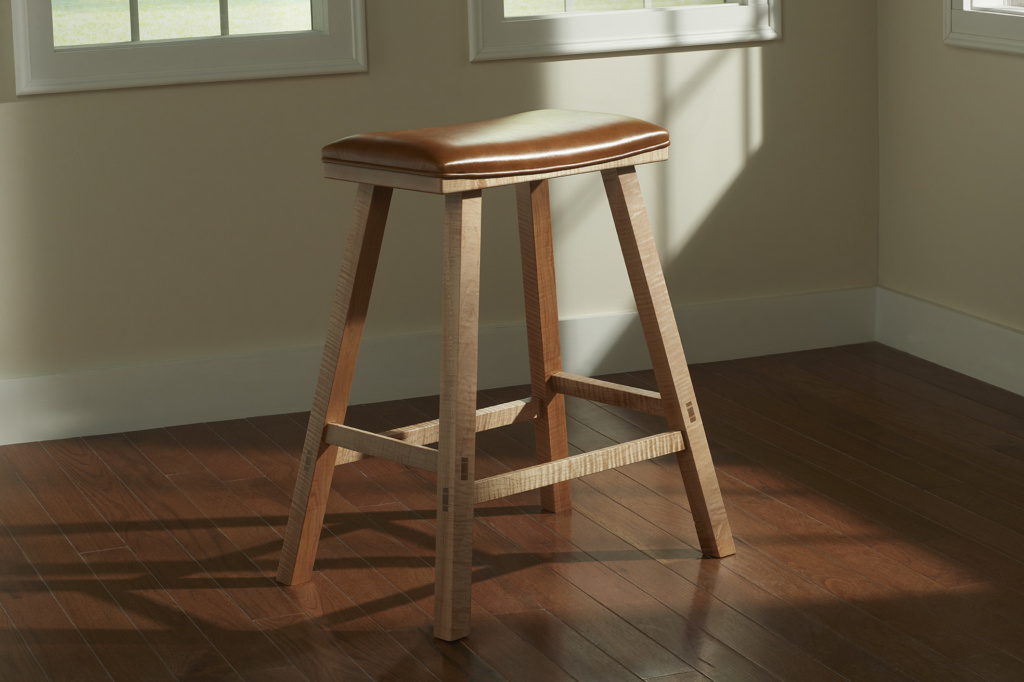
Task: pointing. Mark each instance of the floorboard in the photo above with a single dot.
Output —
(877, 502)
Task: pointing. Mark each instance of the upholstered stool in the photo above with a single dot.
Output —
(459, 161)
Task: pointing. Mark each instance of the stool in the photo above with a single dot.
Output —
(459, 161)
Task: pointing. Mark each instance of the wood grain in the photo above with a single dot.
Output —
(570, 650)
(194, 593)
(16, 660)
(218, 457)
(629, 578)
(57, 646)
(337, 368)
(538, 262)
(257, 540)
(113, 638)
(607, 392)
(353, 443)
(531, 478)
(315, 653)
(953, 383)
(658, 321)
(207, 544)
(166, 453)
(919, 387)
(362, 640)
(857, 560)
(699, 586)
(64, 503)
(492, 417)
(183, 647)
(447, 660)
(577, 607)
(702, 584)
(460, 311)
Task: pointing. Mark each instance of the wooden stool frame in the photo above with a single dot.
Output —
(329, 442)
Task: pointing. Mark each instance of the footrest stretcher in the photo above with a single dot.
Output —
(540, 475)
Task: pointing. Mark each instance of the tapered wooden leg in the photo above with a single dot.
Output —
(542, 333)
(673, 376)
(334, 383)
(457, 437)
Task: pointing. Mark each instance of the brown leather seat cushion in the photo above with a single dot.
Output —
(531, 142)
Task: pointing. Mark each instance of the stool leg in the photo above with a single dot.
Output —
(673, 376)
(330, 401)
(542, 333)
(457, 438)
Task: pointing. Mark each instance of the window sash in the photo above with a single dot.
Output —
(983, 28)
(998, 6)
(492, 36)
(571, 6)
(337, 44)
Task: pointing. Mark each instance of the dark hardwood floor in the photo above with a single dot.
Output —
(877, 501)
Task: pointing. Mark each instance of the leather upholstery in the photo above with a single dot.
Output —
(531, 142)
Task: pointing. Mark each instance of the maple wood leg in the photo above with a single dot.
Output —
(673, 376)
(542, 333)
(457, 438)
(334, 383)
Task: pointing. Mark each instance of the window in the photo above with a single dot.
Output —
(506, 29)
(63, 45)
(527, 8)
(985, 24)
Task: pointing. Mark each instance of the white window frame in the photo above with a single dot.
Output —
(337, 44)
(492, 36)
(1001, 30)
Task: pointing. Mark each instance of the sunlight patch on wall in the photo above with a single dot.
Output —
(711, 103)
(717, 125)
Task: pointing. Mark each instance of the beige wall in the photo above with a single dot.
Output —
(191, 221)
(952, 167)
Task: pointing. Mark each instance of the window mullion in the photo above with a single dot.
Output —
(133, 17)
(225, 28)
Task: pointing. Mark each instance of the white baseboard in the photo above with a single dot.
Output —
(211, 389)
(955, 340)
(160, 394)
